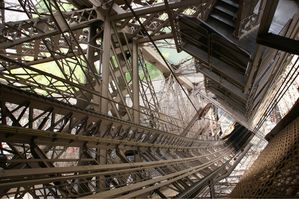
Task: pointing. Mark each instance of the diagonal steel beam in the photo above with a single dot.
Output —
(43, 27)
(159, 7)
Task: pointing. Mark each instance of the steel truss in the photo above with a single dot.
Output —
(78, 126)
(41, 131)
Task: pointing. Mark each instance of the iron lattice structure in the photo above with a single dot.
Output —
(79, 113)
(85, 152)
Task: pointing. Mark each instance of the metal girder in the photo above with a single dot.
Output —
(96, 168)
(75, 127)
(172, 24)
(156, 37)
(232, 111)
(198, 115)
(136, 103)
(83, 95)
(278, 42)
(55, 38)
(159, 7)
(267, 70)
(267, 17)
(155, 17)
(22, 135)
(106, 66)
(38, 174)
(284, 43)
(82, 137)
(15, 33)
(216, 176)
(98, 124)
(153, 184)
(152, 56)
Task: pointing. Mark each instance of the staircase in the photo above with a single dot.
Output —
(223, 61)
(223, 16)
(222, 58)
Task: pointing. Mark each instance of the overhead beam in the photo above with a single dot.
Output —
(159, 7)
(279, 42)
(155, 38)
(153, 57)
(273, 40)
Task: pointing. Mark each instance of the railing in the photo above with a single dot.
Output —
(203, 11)
(248, 18)
(212, 46)
(222, 61)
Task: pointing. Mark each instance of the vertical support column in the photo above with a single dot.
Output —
(102, 160)
(212, 190)
(31, 117)
(102, 152)
(91, 59)
(268, 14)
(83, 186)
(3, 112)
(136, 105)
(92, 42)
(105, 66)
(2, 12)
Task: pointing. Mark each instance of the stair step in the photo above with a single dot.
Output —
(223, 15)
(225, 10)
(222, 28)
(223, 19)
(230, 2)
(227, 6)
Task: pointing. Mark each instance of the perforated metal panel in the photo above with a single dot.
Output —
(276, 171)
